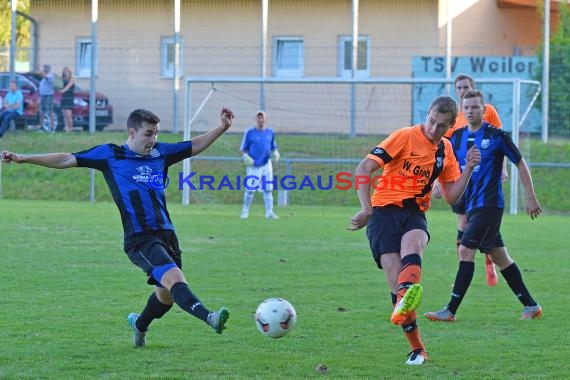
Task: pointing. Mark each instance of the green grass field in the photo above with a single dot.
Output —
(67, 288)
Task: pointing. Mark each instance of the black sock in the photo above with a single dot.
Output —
(513, 276)
(394, 298)
(410, 326)
(462, 282)
(187, 301)
(154, 309)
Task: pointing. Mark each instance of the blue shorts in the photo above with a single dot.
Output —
(154, 249)
(46, 103)
(388, 224)
(483, 229)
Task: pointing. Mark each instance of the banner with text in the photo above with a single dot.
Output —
(488, 67)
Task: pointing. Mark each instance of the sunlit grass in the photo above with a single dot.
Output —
(68, 287)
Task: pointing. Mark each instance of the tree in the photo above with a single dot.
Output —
(23, 33)
(559, 78)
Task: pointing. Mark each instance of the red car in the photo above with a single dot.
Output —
(29, 84)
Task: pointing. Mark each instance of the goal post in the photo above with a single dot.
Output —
(325, 110)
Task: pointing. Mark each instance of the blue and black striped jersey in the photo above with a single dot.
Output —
(485, 188)
(137, 183)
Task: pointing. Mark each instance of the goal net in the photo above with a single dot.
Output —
(326, 126)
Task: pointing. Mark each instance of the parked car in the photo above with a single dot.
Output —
(29, 85)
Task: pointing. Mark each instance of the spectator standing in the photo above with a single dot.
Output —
(46, 98)
(67, 98)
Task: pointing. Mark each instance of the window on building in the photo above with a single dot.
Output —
(167, 57)
(345, 57)
(83, 57)
(288, 57)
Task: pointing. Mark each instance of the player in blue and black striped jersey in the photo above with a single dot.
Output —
(484, 204)
(136, 173)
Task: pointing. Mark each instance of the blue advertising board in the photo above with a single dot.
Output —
(499, 95)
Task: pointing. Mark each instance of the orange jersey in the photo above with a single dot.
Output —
(490, 115)
(411, 164)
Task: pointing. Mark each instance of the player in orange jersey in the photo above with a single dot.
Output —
(464, 83)
(412, 159)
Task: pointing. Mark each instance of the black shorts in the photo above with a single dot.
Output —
(459, 206)
(66, 102)
(387, 225)
(483, 229)
(154, 249)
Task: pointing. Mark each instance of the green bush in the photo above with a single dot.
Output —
(559, 75)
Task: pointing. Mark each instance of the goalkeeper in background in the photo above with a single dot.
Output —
(257, 146)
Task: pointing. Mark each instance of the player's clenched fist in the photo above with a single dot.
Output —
(10, 156)
(473, 156)
(226, 116)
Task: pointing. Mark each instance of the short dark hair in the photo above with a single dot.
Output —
(445, 104)
(465, 76)
(140, 116)
(474, 94)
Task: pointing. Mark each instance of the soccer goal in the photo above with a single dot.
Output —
(334, 122)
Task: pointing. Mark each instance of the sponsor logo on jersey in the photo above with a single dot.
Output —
(145, 174)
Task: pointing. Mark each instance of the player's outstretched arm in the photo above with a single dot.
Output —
(202, 142)
(533, 208)
(49, 160)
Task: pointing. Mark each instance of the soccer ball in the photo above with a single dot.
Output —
(275, 317)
